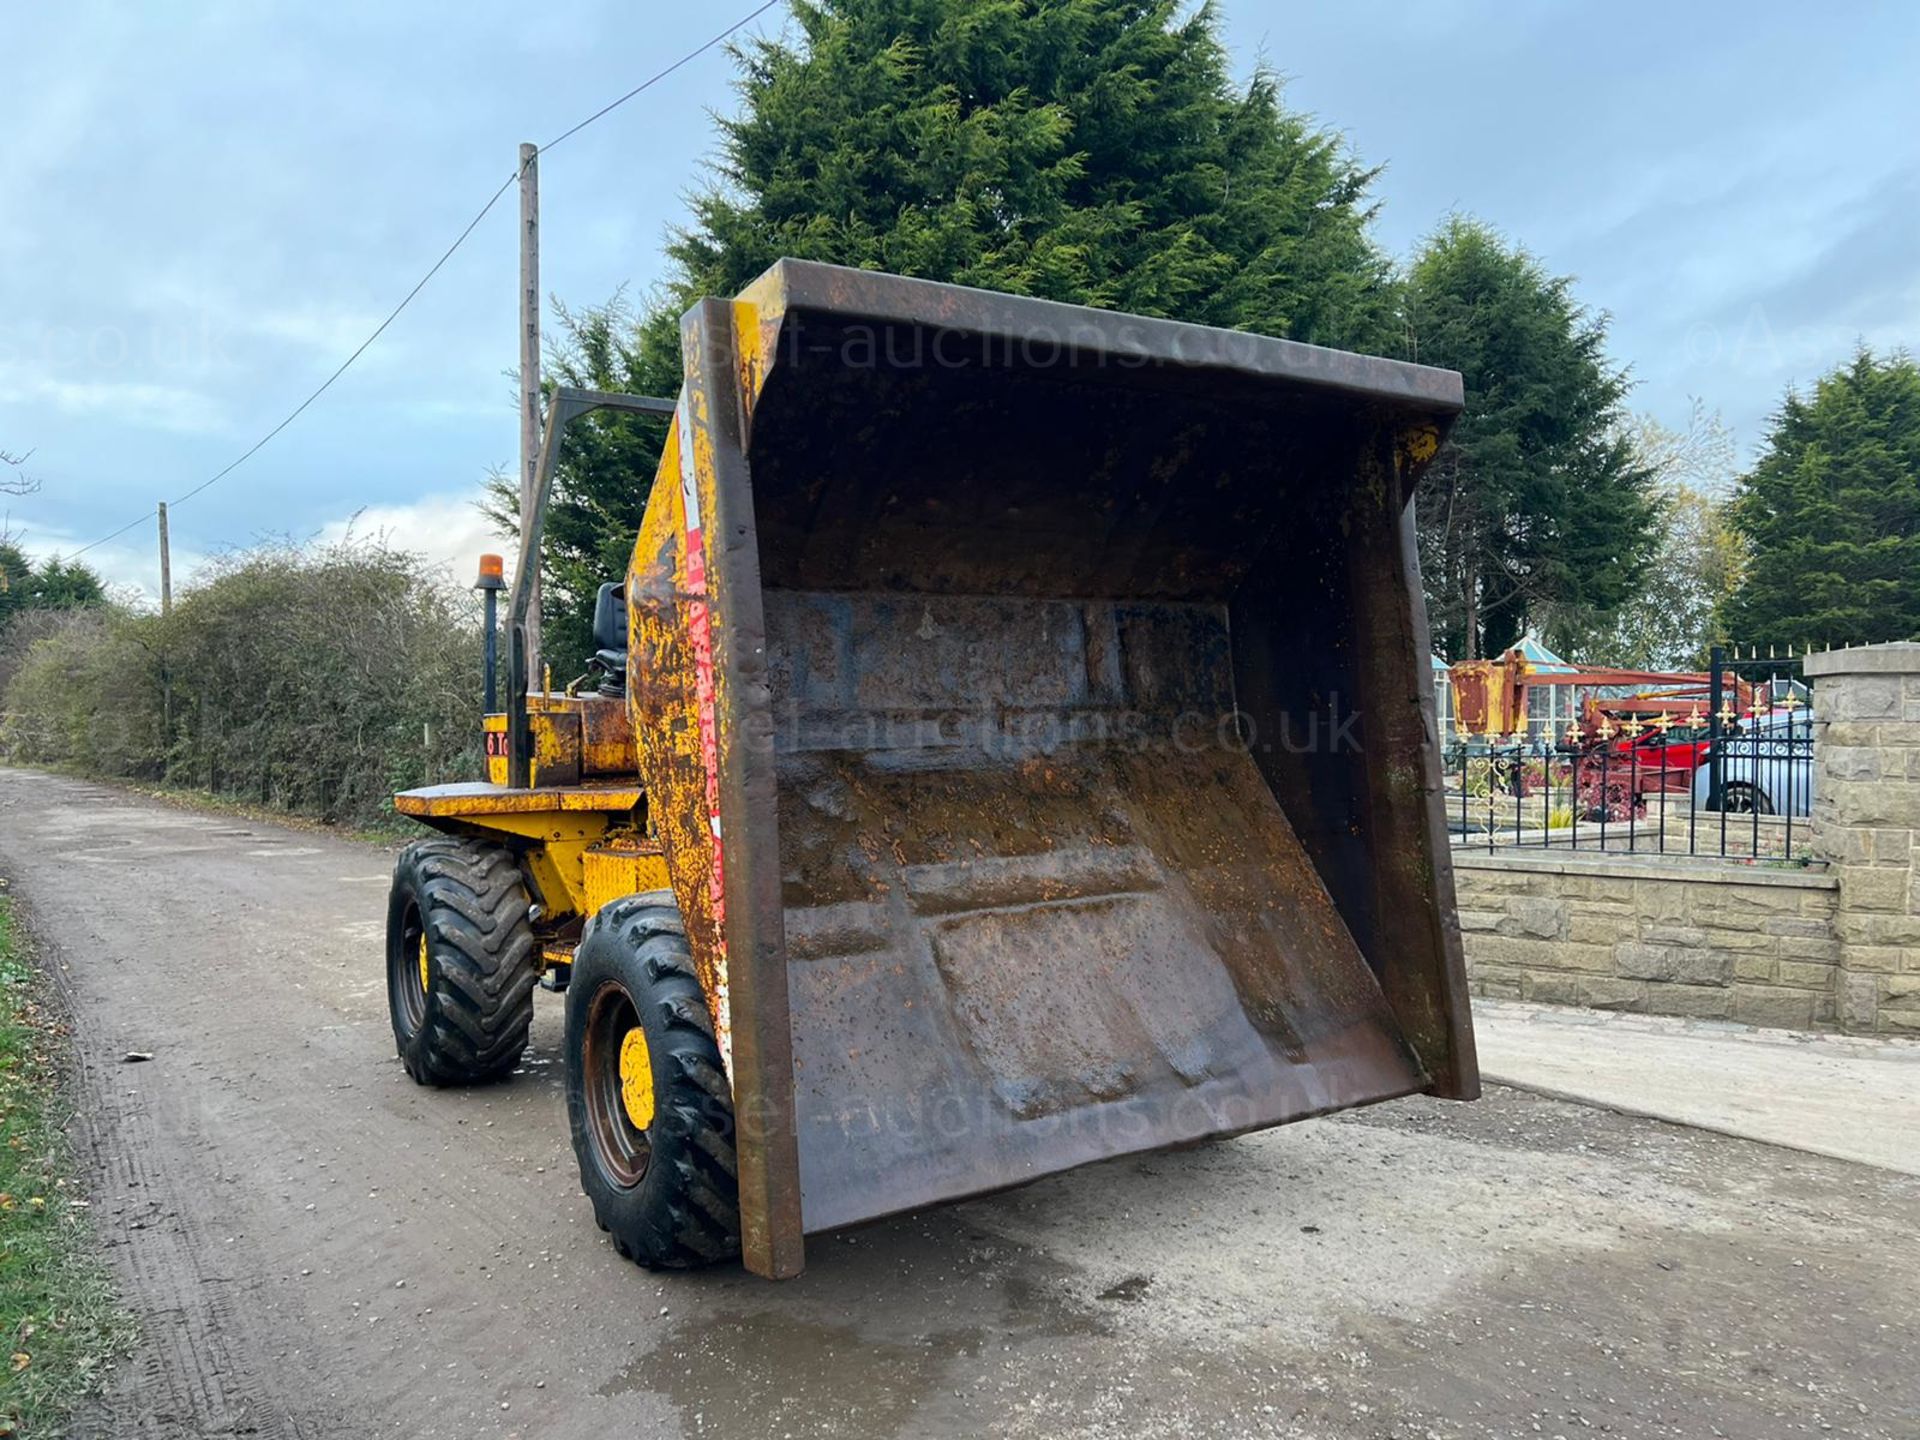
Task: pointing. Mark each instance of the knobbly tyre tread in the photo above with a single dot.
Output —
(474, 905)
(684, 1211)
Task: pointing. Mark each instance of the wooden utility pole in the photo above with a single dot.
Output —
(530, 380)
(166, 565)
(166, 608)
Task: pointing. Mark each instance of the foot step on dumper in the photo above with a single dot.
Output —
(1014, 747)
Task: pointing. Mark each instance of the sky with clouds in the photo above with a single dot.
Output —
(205, 207)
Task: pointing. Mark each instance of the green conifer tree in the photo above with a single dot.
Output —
(1092, 151)
(1831, 514)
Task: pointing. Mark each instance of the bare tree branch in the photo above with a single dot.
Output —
(19, 482)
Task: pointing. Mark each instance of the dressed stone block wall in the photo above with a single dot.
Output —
(1700, 938)
(1866, 822)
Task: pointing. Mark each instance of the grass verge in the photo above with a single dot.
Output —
(58, 1315)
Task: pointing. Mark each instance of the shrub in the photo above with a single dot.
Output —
(314, 679)
(83, 693)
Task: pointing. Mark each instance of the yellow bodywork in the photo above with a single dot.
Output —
(581, 846)
(576, 738)
(582, 828)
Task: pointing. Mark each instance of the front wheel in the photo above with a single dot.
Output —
(647, 1097)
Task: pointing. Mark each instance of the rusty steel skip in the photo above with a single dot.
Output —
(1032, 706)
(1035, 711)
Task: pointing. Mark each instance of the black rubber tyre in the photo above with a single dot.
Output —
(667, 1190)
(462, 1010)
(1740, 798)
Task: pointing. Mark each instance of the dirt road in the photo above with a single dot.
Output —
(318, 1248)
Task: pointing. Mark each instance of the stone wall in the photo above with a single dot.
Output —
(1866, 818)
(1701, 938)
(1833, 945)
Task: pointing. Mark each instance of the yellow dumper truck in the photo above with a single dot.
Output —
(1011, 746)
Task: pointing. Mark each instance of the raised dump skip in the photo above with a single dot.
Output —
(1069, 730)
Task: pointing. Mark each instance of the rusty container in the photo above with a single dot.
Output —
(1034, 706)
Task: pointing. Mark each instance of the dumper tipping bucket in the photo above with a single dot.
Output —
(1034, 703)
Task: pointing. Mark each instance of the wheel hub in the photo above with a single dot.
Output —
(423, 962)
(636, 1078)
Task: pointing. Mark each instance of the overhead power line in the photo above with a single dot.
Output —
(651, 81)
(434, 270)
(359, 350)
(111, 535)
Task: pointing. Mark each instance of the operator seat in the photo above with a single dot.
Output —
(610, 638)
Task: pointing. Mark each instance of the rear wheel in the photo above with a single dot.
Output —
(1740, 798)
(647, 1098)
(461, 960)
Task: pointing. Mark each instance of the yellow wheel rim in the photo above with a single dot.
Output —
(636, 1078)
(423, 963)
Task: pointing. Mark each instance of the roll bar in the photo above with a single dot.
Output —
(566, 405)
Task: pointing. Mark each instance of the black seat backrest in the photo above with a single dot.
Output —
(610, 618)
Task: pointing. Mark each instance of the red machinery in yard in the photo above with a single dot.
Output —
(1623, 747)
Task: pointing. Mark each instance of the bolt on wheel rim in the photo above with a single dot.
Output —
(636, 1078)
(409, 976)
(617, 1085)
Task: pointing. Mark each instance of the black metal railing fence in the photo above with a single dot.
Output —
(1665, 784)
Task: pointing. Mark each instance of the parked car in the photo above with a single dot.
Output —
(1767, 769)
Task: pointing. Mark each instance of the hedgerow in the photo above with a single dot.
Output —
(315, 679)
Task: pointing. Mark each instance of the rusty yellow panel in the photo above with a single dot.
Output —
(593, 733)
(699, 476)
(758, 313)
(621, 867)
(556, 747)
(748, 351)
(475, 801)
(551, 829)
(667, 591)
(574, 736)
(1418, 445)
(606, 738)
(494, 733)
